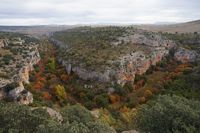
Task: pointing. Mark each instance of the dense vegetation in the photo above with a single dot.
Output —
(76, 119)
(177, 108)
(186, 85)
(187, 40)
(169, 114)
(134, 106)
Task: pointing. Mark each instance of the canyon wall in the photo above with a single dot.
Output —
(19, 93)
(137, 62)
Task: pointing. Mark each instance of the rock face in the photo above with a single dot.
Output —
(20, 95)
(184, 55)
(54, 114)
(138, 63)
(152, 48)
(19, 75)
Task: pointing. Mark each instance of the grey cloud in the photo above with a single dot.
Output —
(29, 12)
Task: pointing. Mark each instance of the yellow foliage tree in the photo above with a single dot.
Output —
(60, 92)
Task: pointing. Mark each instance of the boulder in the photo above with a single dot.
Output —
(20, 95)
(54, 114)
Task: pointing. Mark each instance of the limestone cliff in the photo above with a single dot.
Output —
(140, 49)
(18, 70)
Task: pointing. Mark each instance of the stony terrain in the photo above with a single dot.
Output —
(18, 55)
(111, 54)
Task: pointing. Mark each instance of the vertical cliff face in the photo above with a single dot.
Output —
(20, 94)
(131, 64)
(138, 63)
(118, 60)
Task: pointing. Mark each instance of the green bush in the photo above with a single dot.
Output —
(16, 118)
(81, 121)
(102, 100)
(186, 85)
(169, 114)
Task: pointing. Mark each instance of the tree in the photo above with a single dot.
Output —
(102, 100)
(23, 119)
(169, 114)
(81, 121)
(38, 85)
(52, 64)
(60, 92)
(16, 118)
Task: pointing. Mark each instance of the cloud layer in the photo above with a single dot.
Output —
(41, 12)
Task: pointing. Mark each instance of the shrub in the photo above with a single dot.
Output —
(81, 121)
(169, 114)
(52, 64)
(148, 93)
(23, 119)
(102, 100)
(15, 118)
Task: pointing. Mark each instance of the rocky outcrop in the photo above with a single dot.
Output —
(86, 74)
(138, 63)
(184, 55)
(3, 43)
(19, 94)
(150, 49)
(54, 114)
(128, 66)
(146, 38)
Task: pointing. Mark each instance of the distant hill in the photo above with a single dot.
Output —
(35, 30)
(193, 26)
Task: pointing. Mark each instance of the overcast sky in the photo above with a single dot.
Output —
(42, 12)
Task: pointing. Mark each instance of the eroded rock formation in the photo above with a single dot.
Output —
(148, 49)
(19, 75)
(185, 55)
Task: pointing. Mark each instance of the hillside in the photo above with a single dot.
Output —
(37, 31)
(188, 27)
(110, 53)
